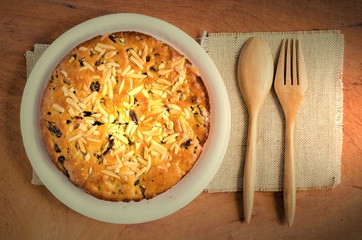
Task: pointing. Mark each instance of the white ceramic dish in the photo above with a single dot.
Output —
(133, 212)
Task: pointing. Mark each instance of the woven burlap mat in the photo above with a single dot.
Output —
(318, 131)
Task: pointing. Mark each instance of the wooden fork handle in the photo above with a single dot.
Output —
(289, 195)
(250, 168)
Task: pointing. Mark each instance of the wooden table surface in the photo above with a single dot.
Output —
(32, 212)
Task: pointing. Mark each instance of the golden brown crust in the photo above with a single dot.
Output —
(124, 116)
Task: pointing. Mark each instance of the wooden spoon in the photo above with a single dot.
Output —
(255, 76)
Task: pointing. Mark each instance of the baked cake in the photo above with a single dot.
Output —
(124, 116)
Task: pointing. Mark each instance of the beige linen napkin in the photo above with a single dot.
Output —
(318, 132)
(31, 59)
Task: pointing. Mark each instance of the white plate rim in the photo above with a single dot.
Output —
(176, 197)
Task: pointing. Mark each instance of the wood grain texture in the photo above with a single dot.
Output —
(32, 212)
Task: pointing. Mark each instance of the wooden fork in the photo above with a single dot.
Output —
(290, 85)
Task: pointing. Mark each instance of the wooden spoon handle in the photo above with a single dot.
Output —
(250, 168)
(289, 174)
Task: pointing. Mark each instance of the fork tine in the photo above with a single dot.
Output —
(301, 68)
(279, 75)
(288, 79)
(295, 79)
